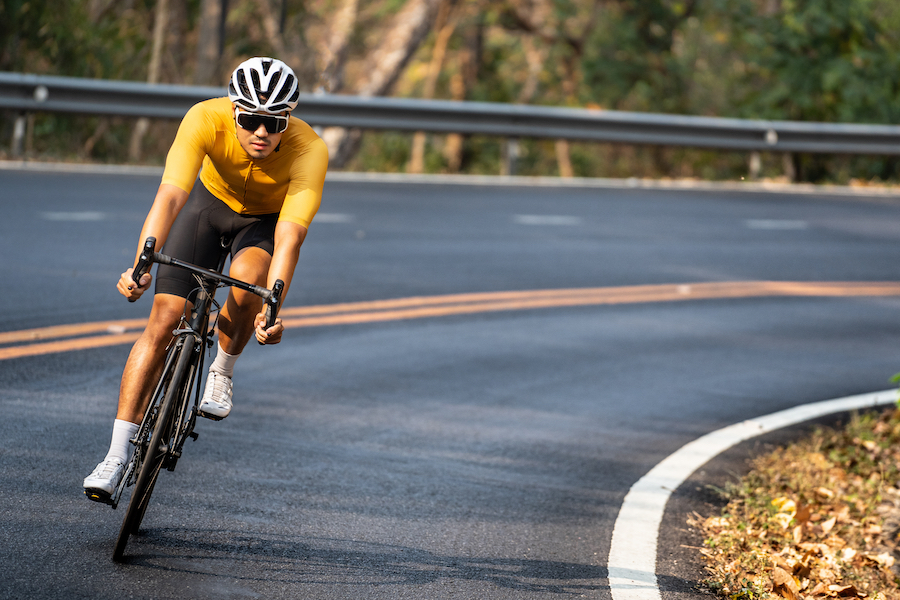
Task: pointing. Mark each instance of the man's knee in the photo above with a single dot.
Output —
(164, 316)
(251, 265)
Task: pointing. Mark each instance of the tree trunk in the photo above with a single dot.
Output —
(445, 29)
(535, 57)
(384, 67)
(537, 17)
(289, 42)
(331, 73)
(159, 36)
(453, 143)
(468, 60)
(209, 42)
(386, 63)
(563, 160)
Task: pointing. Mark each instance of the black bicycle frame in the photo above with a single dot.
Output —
(194, 335)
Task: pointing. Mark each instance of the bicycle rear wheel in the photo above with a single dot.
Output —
(162, 428)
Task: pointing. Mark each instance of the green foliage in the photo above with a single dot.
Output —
(60, 37)
(820, 60)
(630, 64)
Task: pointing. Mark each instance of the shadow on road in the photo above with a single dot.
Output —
(325, 561)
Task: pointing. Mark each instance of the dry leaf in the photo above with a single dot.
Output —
(873, 530)
(801, 570)
(716, 523)
(783, 519)
(844, 591)
(885, 559)
(828, 525)
(784, 585)
(820, 590)
(785, 505)
(844, 515)
(825, 492)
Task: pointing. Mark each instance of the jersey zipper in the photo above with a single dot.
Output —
(247, 183)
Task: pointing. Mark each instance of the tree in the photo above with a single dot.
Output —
(820, 60)
(160, 25)
(383, 67)
(444, 26)
(336, 47)
(210, 42)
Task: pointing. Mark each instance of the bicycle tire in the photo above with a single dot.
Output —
(177, 415)
(152, 461)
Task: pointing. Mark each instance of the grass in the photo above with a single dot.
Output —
(817, 519)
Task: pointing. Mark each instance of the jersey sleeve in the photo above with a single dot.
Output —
(305, 189)
(189, 148)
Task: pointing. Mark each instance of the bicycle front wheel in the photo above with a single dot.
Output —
(161, 428)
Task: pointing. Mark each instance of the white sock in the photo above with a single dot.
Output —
(224, 363)
(120, 447)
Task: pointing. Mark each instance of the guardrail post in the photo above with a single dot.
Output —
(509, 156)
(787, 165)
(18, 138)
(755, 165)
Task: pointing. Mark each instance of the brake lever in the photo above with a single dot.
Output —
(145, 261)
(272, 304)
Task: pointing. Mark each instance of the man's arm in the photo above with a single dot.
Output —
(289, 237)
(168, 203)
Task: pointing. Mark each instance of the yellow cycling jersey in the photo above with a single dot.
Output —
(289, 181)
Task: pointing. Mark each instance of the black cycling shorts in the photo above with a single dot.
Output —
(196, 238)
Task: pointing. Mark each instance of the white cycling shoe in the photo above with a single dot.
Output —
(104, 479)
(216, 401)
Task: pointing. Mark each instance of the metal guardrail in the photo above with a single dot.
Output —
(37, 93)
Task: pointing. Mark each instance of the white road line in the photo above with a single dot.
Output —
(551, 220)
(632, 554)
(334, 218)
(776, 224)
(88, 215)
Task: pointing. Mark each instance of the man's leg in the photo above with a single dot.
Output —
(147, 357)
(236, 319)
(235, 326)
(142, 371)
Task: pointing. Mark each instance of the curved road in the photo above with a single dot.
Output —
(478, 448)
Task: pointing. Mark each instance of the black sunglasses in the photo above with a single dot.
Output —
(252, 121)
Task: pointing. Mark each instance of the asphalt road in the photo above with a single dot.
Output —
(479, 455)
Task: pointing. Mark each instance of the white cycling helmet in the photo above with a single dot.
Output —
(264, 85)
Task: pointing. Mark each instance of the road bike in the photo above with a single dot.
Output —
(172, 413)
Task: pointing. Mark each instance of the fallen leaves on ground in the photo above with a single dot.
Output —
(816, 520)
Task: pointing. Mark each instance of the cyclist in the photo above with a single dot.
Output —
(261, 173)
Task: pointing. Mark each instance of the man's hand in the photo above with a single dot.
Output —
(272, 335)
(128, 288)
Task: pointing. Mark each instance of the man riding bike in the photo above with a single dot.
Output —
(259, 187)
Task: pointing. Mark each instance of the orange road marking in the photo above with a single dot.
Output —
(59, 331)
(68, 345)
(117, 332)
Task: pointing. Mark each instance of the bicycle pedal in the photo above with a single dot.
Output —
(210, 416)
(100, 496)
